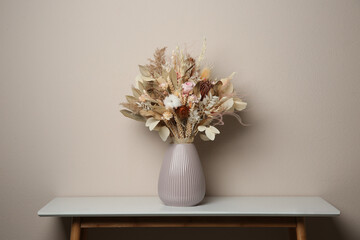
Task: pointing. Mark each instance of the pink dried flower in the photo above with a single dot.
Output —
(187, 87)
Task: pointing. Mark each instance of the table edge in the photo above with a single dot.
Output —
(336, 212)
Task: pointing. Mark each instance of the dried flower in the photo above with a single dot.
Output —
(205, 74)
(164, 86)
(205, 87)
(176, 98)
(183, 112)
(167, 115)
(177, 93)
(187, 87)
(193, 99)
(194, 116)
(172, 101)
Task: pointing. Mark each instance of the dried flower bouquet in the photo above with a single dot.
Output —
(178, 98)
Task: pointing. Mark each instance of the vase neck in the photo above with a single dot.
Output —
(182, 140)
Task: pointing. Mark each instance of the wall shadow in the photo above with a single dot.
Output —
(65, 225)
(325, 228)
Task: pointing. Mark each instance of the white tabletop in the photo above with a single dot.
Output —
(211, 206)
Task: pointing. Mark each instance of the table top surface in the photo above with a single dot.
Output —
(210, 206)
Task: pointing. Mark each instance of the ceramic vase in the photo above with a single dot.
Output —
(181, 179)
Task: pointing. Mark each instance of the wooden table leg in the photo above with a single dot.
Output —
(75, 229)
(300, 228)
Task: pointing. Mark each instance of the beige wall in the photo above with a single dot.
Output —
(66, 65)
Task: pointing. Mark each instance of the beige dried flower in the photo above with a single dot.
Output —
(167, 115)
(164, 85)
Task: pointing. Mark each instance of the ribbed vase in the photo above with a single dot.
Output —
(181, 180)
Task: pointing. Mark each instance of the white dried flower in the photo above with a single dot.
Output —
(212, 102)
(194, 116)
(167, 115)
(172, 101)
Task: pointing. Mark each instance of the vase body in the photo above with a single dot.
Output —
(181, 179)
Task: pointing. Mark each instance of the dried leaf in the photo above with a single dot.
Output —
(201, 128)
(196, 90)
(157, 128)
(144, 71)
(157, 116)
(205, 122)
(210, 134)
(204, 137)
(131, 99)
(137, 80)
(214, 129)
(164, 74)
(147, 113)
(161, 80)
(173, 77)
(131, 115)
(227, 88)
(161, 103)
(151, 123)
(136, 92)
(239, 105)
(217, 87)
(147, 79)
(164, 133)
(227, 105)
(133, 107)
(159, 109)
(146, 85)
(141, 87)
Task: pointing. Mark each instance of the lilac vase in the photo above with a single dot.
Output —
(181, 180)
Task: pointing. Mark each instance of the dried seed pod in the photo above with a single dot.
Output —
(205, 87)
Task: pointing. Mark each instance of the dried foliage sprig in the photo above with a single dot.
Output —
(179, 98)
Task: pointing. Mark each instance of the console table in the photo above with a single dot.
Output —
(120, 212)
